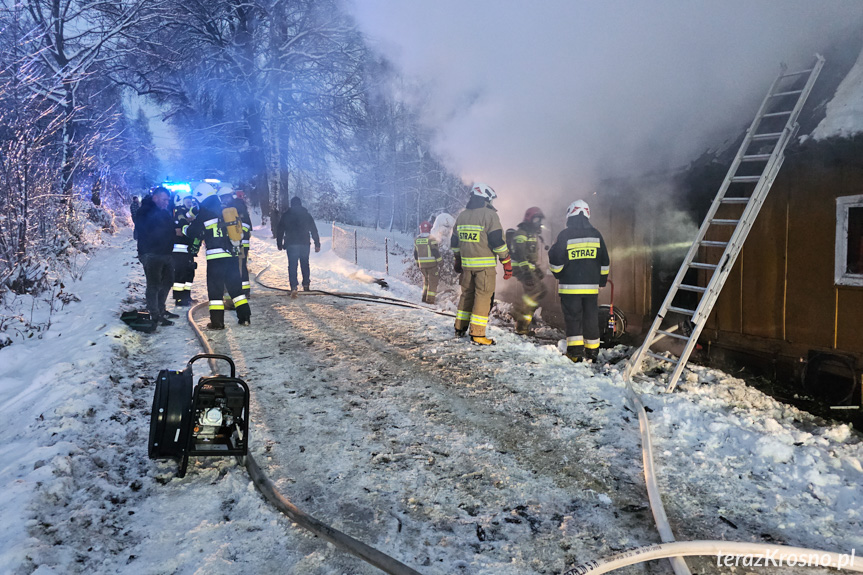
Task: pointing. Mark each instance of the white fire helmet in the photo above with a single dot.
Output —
(226, 190)
(203, 191)
(483, 191)
(578, 207)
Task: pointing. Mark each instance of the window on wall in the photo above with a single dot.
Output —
(849, 241)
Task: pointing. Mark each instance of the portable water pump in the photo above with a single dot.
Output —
(209, 420)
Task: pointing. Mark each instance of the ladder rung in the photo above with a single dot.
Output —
(684, 311)
(702, 266)
(674, 335)
(745, 179)
(661, 357)
(724, 222)
(775, 114)
(696, 289)
(800, 73)
(789, 93)
(734, 200)
(767, 136)
(713, 244)
(755, 158)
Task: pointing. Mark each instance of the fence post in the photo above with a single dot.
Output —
(387, 254)
(356, 254)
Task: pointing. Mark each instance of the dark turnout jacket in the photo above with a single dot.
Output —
(155, 229)
(295, 227)
(579, 258)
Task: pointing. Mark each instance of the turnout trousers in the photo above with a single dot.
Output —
(431, 277)
(244, 272)
(223, 274)
(184, 276)
(581, 315)
(474, 305)
(533, 290)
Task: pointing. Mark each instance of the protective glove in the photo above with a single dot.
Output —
(507, 268)
(317, 248)
(457, 266)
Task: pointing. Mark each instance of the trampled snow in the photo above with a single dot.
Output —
(377, 420)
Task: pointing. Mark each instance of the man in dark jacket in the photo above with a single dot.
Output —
(133, 209)
(155, 225)
(292, 234)
(579, 260)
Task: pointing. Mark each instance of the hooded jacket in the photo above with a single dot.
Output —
(296, 226)
(155, 229)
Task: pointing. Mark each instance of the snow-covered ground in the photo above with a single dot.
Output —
(375, 419)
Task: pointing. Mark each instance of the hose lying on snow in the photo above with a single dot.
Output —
(341, 540)
(656, 507)
(371, 298)
(728, 554)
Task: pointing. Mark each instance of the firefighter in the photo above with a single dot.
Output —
(223, 270)
(184, 250)
(476, 240)
(526, 268)
(579, 260)
(239, 202)
(427, 257)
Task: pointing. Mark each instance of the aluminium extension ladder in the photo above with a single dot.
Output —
(728, 221)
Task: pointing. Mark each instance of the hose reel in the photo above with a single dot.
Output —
(209, 420)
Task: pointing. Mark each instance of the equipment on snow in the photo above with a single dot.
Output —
(211, 420)
(139, 320)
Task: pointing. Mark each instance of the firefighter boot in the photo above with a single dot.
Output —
(481, 340)
(574, 356)
(591, 354)
(460, 332)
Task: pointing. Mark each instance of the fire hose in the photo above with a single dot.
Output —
(669, 549)
(341, 540)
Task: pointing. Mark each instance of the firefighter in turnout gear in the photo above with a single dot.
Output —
(526, 268)
(239, 202)
(477, 238)
(579, 260)
(223, 270)
(184, 250)
(427, 257)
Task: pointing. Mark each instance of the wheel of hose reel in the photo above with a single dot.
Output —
(619, 324)
(169, 419)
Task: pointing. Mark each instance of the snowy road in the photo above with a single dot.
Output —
(450, 457)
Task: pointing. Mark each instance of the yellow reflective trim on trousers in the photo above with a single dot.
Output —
(179, 286)
(217, 304)
(575, 340)
(478, 262)
(460, 314)
(529, 301)
(591, 344)
(478, 320)
(578, 291)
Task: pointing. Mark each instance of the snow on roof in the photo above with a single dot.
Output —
(845, 111)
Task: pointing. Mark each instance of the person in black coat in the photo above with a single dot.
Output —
(579, 260)
(295, 228)
(155, 226)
